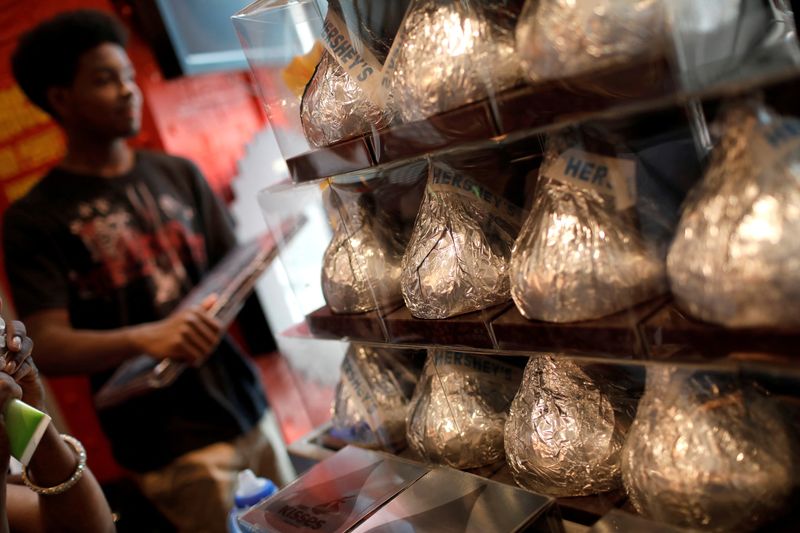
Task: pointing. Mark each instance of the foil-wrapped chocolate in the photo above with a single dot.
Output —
(372, 396)
(335, 107)
(706, 452)
(562, 38)
(361, 266)
(457, 258)
(735, 259)
(451, 53)
(578, 257)
(344, 98)
(459, 408)
(566, 428)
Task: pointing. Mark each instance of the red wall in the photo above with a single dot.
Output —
(208, 119)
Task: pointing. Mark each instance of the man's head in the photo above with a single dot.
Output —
(75, 68)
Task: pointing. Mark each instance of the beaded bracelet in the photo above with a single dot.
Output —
(80, 451)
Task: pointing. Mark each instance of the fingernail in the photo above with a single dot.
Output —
(10, 367)
(16, 342)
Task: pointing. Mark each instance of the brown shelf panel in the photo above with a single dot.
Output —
(367, 327)
(652, 331)
(345, 156)
(500, 327)
(670, 329)
(522, 108)
(616, 334)
(469, 330)
(645, 85)
(546, 103)
(469, 123)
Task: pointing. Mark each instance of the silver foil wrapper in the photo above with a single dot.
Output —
(372, 397)
(449, 54)
(3, 343)
(562, 38)
(334, 107)
(457, 258)
(735, 259)
(565, 430)
(576, 257)
(707, 454)
(459, 408)
(361, 266)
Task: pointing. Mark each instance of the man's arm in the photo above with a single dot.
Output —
(220, 238)
(37, 274)
(189, 335)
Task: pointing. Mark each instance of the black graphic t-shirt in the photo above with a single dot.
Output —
(121, 251)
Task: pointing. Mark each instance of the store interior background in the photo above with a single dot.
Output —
(216, 120)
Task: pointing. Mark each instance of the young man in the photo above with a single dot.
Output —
(100, 253)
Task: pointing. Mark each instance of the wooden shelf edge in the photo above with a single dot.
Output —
(652, 332)
(525, 110)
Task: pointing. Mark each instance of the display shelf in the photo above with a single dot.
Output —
(325, 324)
(500, 327)
(470, 330)
(466, 124)
(340, 158)
(546, 103)
(614, 334)
(469, 123)
(614, 93)
(654, 331)
(672, 328)
(653, 124)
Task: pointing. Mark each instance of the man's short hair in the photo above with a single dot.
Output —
(48, 55)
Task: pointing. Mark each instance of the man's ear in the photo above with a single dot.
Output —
(59, 99)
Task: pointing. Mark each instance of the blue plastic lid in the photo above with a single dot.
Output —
(252, 489)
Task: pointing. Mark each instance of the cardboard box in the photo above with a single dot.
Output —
(450, 501)
(335, 494)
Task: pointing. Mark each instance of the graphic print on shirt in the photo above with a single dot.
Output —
(147, 238)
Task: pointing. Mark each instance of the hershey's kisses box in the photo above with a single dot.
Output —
(334, 495)
(450, 501)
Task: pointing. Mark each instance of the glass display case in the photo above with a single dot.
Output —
(562, 248)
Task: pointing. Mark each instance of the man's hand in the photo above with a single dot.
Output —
(188, 335)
